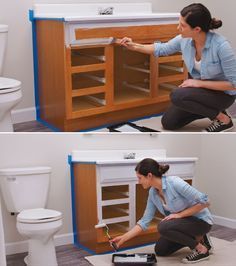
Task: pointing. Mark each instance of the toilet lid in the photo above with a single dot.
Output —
(38, 216)
(9, 85)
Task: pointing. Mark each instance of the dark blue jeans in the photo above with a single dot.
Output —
(189, 104)
(179, 233)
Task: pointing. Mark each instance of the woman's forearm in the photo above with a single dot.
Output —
(193, 210)
(208, 84)
(135, 231)
(216, 85)
(142, 48)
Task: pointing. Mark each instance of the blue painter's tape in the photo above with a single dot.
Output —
(35, 63)
(32, 17)
(57, 19)
(84, 248)
(73, 199)
(69, 159)
(48, 125)
(132, 120)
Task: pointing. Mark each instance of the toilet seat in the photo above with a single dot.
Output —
(9, 85)
(40, 215)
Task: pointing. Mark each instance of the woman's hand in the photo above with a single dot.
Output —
(128, 43)
(125, 41)
(118, 240)
(192, 83)
(172, 216)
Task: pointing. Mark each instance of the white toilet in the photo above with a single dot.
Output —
(10, 89)
(25, 192)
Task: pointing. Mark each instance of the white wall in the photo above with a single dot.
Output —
(215, 170)
(218, 171)
(19, 61)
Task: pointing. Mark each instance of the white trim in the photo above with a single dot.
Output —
(22, 246)
(23, 115)
(231, 223)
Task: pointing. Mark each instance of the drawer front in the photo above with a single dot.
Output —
(146, 32)
(181, 169)
(117, 173)
(123, 173)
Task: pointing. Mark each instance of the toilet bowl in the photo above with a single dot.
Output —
(39, 226)
(10, 96)
(25, 191)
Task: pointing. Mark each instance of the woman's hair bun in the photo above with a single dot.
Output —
(163, 168)
(215, 23)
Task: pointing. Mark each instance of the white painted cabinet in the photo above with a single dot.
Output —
(107, 191)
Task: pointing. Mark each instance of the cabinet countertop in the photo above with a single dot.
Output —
(134, 161)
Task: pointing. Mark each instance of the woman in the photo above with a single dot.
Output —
(211, 63)
(187, 218)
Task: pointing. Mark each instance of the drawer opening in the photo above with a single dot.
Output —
(115, 192)
(115, 229)
(88, 102)
(132, 74)
(87, 56)
(88, 79)
(171, 68)
(115, 211)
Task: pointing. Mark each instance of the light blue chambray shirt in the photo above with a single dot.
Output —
(218, 60)
(178, 195)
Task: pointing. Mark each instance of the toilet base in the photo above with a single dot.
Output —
(41, 253)
(6, 123)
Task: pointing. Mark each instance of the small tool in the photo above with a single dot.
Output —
(112, 244)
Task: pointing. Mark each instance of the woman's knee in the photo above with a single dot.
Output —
(161, 250)
(163, 227)
(168, 122)
(177, 96)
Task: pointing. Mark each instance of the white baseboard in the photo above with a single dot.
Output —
(231, 223)
(23, 115)
(22, 246)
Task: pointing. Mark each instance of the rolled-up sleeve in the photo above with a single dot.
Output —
(190, 193)
(148, 214)
(228, 63)
(168, 48)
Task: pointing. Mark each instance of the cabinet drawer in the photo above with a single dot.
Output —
(117, 173)
(181, 169)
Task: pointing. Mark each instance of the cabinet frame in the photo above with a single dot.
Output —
(54, 86)
(87, 183)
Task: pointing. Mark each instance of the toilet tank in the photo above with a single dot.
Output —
(3, 44)
(25, 188)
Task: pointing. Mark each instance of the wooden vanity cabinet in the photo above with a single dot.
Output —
(109, 193)
(87, 86)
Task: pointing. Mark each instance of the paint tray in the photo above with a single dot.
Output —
(140, 259)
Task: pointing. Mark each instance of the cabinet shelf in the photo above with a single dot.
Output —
(88, 91)
(139, 68)
(87, 68)
(114, 211)
(144, 87)
(84, 103)
(124, 95)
